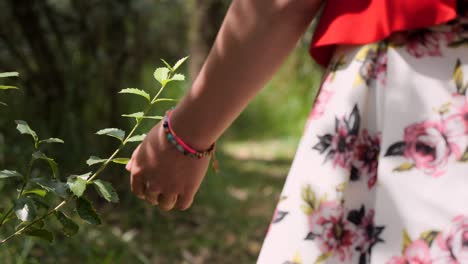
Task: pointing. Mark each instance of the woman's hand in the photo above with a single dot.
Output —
(162, 175)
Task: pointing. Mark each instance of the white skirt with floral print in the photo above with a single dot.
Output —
(381, 173)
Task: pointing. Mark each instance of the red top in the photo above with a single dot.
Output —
(367, 21)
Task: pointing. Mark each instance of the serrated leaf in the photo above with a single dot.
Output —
(40, 233)
(136, 92)
(69, 227)
(51, 140)
(161, 75)
(8, 74)
(52, 164)
(23, 128)
(38, 192)
(95, 160)
(77, 185)
(7, 87)
(86, 211)
(178, 77)
(179, 63)
(25, 209)
(123, 161)
(53, 186)
(112, 132)
(9, 174)
(138, 138)
(106, 191)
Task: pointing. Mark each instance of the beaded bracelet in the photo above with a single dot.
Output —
(180, 145)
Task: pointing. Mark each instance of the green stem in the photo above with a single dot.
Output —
(25, 183)
(89, 180)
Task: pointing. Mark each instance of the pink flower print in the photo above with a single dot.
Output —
(320, 103)
(423, 43)
(340, 147)
(427, 147)
(452, 247)
(366, 156)
(332, 232)
(416, 253)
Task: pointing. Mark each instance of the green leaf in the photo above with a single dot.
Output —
(165, 100)
(106, 191)
(9, 174)
(77, 185)
(40, 233)
(167, 64)
(95, 160)
(138, 138)
(38, 192)
(8, 74)
(123, 161)
(23, 128)
(161, 75)
(137, 92)
(112, 132)
(179, 63)
(83, 176)
(53, 186)
(154, 117)
(140, 116)
(86, 211)
(51, 140)
(25, 209)
(137, 115)
(69, 227)
(2, 103)
(7, 87)
(178, 77)
(52, 164)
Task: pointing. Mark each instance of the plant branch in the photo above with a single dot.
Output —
(89, 180)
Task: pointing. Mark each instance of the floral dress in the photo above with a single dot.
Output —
(381, 173)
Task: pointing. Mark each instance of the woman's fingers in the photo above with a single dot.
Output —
(167, 201)
(184, 202)
(152, 197)
(137, 185)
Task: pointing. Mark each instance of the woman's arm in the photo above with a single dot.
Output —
(255, 38)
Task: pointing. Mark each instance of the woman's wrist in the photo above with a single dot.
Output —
(193, 127)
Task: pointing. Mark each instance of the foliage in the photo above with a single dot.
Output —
(42, 196)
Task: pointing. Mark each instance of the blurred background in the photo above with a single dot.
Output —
(73, 57)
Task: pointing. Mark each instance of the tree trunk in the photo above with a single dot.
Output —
(207, 16)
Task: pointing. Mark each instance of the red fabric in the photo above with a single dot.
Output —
(367, 21)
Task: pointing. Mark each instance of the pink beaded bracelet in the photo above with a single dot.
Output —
(180, 145)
